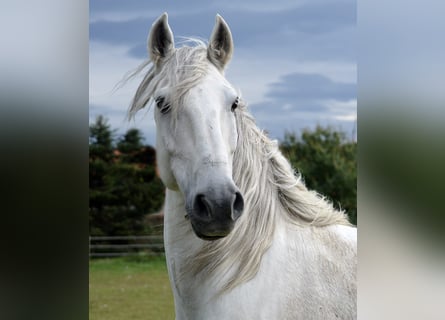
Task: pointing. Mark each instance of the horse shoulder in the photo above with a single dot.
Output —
(321, 265)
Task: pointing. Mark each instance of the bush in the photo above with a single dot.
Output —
(327, 163)
(123, 184)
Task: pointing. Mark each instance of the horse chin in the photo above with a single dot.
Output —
(210, 235)
(210, 238)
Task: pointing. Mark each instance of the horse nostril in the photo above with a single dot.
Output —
(238, 206)
(201, 206)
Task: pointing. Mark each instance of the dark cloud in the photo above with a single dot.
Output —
(318, 30)
(288, 107)
(140, 5)
(307, 87)
(298, 100)
(314, 29)
(271, 117)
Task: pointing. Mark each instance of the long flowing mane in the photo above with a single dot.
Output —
(272, 190)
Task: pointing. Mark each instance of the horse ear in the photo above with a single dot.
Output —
(160, 41)
(220, 47)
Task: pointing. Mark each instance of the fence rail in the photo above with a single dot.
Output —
(118, 246)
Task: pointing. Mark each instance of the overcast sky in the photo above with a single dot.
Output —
(294, 61)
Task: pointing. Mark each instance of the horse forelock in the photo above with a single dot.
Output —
(180, 72)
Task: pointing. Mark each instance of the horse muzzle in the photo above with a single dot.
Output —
(213, 212)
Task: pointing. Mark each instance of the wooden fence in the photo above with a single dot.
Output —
(126, 245)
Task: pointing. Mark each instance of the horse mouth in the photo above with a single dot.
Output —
(211, 235)
(210, 238)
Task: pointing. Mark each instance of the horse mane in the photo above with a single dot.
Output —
(271, 191)
(270, 187)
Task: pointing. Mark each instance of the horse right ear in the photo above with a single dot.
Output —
(160, 41)
(220, 47)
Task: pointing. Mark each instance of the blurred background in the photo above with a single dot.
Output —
(45, 132)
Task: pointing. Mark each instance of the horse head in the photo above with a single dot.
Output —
(196, 126)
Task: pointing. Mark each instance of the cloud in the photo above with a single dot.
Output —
(300, 100)
(307, 87)
(108, 65)
(276, 120)
(295, 65)
(316, 29)
(117, 10)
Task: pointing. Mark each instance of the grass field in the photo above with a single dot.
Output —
(130, 288)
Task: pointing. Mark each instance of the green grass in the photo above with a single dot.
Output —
(130, 288)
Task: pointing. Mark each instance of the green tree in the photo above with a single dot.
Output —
(123, 183)
(327, 162)
(101, 140)
(130, 142)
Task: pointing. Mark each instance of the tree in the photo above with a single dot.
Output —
(327, 162)
(123, 182)
(131, 141)
(101, 140)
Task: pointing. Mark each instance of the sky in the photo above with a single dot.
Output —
(294, 61)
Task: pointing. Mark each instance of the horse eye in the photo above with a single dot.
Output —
(159, 101)
(162, 106)
(235, 104)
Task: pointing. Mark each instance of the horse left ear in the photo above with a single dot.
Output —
(220, 47)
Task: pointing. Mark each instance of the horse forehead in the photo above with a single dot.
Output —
(212, 88)
(206, 104)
